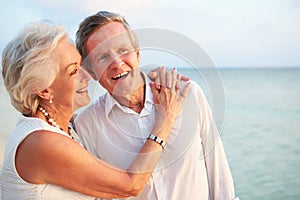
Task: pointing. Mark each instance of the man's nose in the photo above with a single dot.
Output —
(117, 62)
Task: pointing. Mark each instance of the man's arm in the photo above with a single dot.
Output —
(218, 172)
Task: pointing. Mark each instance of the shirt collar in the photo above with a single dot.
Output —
(111, 102)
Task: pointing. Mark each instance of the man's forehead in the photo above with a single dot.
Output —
(99, 40)
(113, 42)
(122, 39)
(112, 29)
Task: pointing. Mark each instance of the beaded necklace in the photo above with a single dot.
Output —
(53, 123)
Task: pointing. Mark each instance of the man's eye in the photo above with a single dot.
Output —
(102, 58)
(123, 50)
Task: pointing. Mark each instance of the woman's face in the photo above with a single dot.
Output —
(63, 86)
(81, 97)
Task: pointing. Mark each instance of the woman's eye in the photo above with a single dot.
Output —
(74, 72)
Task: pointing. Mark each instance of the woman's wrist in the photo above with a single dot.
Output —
(162, 127)
(158, 140)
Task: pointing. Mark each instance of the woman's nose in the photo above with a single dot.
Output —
(84, 75)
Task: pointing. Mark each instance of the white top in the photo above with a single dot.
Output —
(193, 165)
(13, 187)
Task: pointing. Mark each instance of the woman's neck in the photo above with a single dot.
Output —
(61, 115)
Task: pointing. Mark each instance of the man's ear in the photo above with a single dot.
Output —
(138, 55)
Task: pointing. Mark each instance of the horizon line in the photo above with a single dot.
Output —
(242, 67)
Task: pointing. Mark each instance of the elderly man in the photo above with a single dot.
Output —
(115, 127)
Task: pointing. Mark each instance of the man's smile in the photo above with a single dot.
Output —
(124, 74)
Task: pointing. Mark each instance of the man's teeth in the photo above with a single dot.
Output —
(120, 75)
(82, 90)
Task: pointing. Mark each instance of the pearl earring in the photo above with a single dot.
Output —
(51, 99)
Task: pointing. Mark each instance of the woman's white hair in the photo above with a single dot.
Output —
(28, 64)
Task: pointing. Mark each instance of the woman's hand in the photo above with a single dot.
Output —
(162, 77)
(167, 97)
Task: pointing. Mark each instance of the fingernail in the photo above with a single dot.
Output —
(175, 69)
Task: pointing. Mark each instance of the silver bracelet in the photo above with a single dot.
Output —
(157, 140)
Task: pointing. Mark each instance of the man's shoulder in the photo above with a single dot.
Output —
(195, 87)
(194, 84)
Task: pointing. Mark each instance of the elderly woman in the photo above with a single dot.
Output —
(43, 159)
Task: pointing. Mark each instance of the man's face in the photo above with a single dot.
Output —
(114, 59)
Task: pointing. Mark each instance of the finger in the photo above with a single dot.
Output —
(184, 78)
(157, 81)
(162, 74)
(155, 70)
(174, 78)
(168, 79)
(152, 75)
(178, 82)
(185, 91)
(154, 91)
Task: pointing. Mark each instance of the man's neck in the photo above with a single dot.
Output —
(136, 100)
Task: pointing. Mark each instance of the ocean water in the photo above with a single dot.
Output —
(260, 129)
(264, 114)
(261, 132)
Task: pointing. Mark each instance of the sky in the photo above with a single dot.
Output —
(233, 33)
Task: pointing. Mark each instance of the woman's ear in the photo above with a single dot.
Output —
(45, 94)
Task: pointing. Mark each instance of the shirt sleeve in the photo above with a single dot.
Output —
(218, 172)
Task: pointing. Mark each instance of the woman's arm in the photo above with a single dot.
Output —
(47, 157)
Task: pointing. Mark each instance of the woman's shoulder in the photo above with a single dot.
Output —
(24, 120)
(27, 125)
(30, 124)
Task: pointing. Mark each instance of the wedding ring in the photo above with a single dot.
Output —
(183, 95)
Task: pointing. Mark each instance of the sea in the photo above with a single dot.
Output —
(258, 116)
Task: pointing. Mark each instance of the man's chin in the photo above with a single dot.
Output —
(122, 92)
